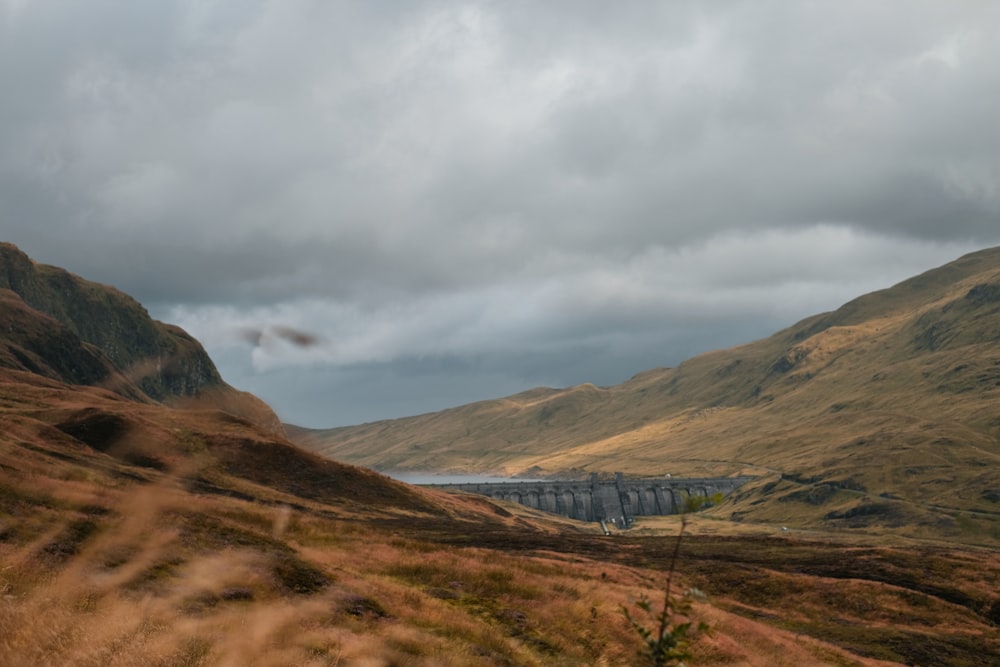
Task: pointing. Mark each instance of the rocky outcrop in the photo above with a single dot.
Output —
(33, 342)
(64, 327)
(162, 360)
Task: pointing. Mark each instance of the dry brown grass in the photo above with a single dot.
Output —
(238, 550)
(136, 534)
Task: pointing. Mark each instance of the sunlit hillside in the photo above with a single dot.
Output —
(883, 414)
(138, 531)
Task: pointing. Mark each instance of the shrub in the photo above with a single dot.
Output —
(666, 642)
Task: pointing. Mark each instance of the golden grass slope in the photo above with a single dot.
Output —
(884, 414)
(136, 534)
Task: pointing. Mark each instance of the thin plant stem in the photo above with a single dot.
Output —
(665, 614)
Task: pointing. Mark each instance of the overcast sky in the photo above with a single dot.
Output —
(465, 200)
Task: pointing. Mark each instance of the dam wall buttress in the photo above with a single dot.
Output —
(614, 501)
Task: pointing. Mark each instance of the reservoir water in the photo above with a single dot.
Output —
(433, 478)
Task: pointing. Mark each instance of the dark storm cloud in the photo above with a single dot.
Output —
(510, 193)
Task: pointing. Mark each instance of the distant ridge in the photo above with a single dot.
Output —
(883, 412)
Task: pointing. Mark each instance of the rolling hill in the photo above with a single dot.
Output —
(152, 515)
(882, 414)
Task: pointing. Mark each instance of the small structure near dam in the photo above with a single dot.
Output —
(615, 501)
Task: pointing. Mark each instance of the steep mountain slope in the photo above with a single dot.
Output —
(884, 412)
(80, 332)
(134, 532)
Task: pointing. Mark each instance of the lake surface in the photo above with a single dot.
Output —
(432, 478)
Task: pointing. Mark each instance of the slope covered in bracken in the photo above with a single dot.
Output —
(137, 531)
(883, 414)
(132, 533)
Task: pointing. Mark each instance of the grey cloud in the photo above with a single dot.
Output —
(496, 188)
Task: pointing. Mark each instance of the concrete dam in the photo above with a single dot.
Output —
(615, 501)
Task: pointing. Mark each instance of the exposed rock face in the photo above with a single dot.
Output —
(162, 360)
(76, 331)
(34, 342)
(984, 293)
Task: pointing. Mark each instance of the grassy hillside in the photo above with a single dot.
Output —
(137, 532)
(883, 414)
